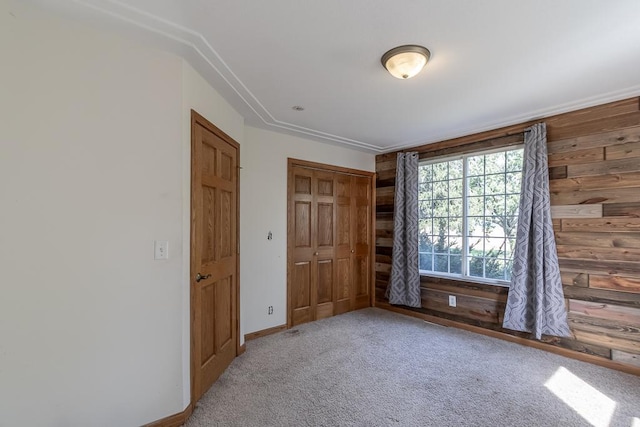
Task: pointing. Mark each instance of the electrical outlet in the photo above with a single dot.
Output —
(270, 310)
(452, 300)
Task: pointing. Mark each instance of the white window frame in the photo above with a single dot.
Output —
(464, 276)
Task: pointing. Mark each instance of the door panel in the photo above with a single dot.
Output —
(325, 281)
(214, 202)
(325, 225)
(303, 225)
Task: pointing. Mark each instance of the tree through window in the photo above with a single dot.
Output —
(468, 213)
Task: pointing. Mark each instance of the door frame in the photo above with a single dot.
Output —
(291, 163)
(196, 118)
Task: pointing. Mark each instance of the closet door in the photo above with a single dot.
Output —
(344, 244)
(329, 241)
(311, 245)
(323, 228)
(301, 245)
(362, 244)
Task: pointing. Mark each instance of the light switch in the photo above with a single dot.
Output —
(161, 249)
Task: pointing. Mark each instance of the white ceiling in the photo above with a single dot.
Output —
(493, 62)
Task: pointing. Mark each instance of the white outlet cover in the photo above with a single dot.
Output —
(161, 250)
(452, 300)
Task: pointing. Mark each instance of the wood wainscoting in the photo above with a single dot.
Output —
(594, 169)
(330, 234)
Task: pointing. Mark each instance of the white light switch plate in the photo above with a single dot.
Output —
(161, 249)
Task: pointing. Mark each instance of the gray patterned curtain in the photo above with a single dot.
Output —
(404, 285)
(536, 300)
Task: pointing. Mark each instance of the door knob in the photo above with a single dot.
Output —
(200, 277)
(315, 253)
(352, 251)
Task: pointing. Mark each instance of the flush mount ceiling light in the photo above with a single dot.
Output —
(404, 62)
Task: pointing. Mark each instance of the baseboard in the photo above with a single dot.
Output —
(264, 332)
(523, 341)
(242, 348)
(175, 420)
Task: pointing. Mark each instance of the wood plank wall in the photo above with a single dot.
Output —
(594, 167)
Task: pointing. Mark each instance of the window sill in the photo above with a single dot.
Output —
(476, 281)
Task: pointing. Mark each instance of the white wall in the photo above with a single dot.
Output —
(95, 166)
(90, 174)
(263, 208)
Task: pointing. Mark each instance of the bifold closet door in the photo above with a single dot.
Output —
(312, 245)
(329, 243)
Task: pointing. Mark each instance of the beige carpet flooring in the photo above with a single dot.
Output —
(376, 368)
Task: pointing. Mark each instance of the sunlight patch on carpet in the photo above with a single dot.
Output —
(592, 405)
(635, 422)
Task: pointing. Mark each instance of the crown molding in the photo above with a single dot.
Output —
(195, 41)
(199, 45)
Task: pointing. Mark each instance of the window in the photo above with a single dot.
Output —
(468, 214)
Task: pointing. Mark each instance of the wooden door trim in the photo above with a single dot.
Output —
(198, 119)
(292, 163)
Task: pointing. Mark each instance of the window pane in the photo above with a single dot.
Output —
(440, 171)
(494, 206)
(475, 226)
(512, 202)
(494, 268)
(425, 262)
(455, 188)
(455, 226)
(440, 189)
(424, 190)
(476, 267)
(494, 184)
(514, 160)
(476, 206)
(442, 263)
(425, 173)
(476, 165)
(455, 169)
(475, 186)
(455, 264)
(514, 182)
(455, 207)
(455, 245)
(495, 163)
(424, 209)
(424, 242)
(441, 208)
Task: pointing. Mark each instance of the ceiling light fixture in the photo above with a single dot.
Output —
(404, 62)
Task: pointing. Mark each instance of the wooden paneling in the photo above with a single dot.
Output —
(576, 211)
(616, 283)
(594, 171)
(612, 225)
(576, 157)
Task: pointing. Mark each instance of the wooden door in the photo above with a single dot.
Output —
(214, 258)
(329, 241)
(313, 244)
(323, 228)
(344, 244)
(362, 245)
